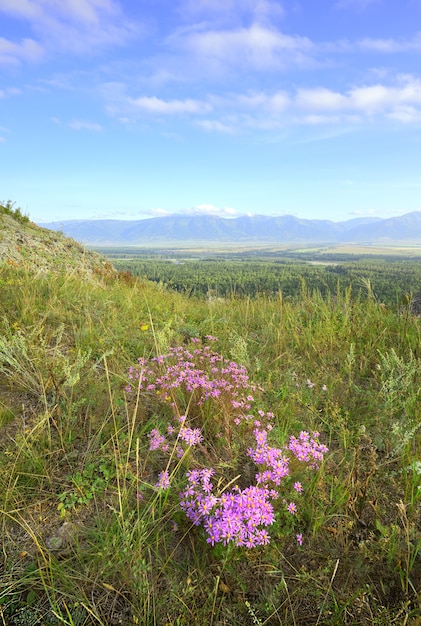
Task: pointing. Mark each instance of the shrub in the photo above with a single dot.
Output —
(7, 209)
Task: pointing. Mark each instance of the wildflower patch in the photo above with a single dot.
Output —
(212, 423)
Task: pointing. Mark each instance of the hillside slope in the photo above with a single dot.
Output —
(45, 251)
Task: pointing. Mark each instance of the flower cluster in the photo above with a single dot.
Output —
(199, 374)
(308, 449)
(208, 393)
(240, 515)
(235, 516)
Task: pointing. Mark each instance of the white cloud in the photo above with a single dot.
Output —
(21, 8)
(257, 47)
(400, 101)
(383, 46)
(371, 98)
(78, 124)
(253, 100)
(27, 50)
(9, 91)
(168, 107)
(215, 125)
(158, 212)
(381, 97)
(82, 11)
(320, 98)
(406, 114)
(318, 120)
(256, 10)
(232, 113)
(366, 100)
(13, 91)
(84, 26)
(279, 102)
(275, 103)
(364, 213)
(379, 213)
(199, 209)
(380, 45)
(4, 130)
(80, 26)
(267, 10)
(84, 125)
(210, 209)
(390, 46)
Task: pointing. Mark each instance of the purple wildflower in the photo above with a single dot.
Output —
(156, 440)
(191, 436)
(163, 480)
(292, 508)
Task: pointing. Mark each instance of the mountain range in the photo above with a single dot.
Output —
(246, 229)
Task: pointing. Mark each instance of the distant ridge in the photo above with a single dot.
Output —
(246, 229)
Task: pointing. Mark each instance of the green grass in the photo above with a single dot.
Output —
(81, 547)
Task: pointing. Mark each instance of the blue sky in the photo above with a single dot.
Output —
(129, 109)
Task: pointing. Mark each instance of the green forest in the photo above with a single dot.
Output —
(389, 279)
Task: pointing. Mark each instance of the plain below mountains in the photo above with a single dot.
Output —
(245, 229)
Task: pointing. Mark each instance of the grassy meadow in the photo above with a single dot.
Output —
(93, 529)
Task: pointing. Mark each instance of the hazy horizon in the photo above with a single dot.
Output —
(186, 214)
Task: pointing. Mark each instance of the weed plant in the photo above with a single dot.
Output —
(106, 507)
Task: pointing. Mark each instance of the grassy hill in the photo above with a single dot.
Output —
(96, 447)
(24, 244)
